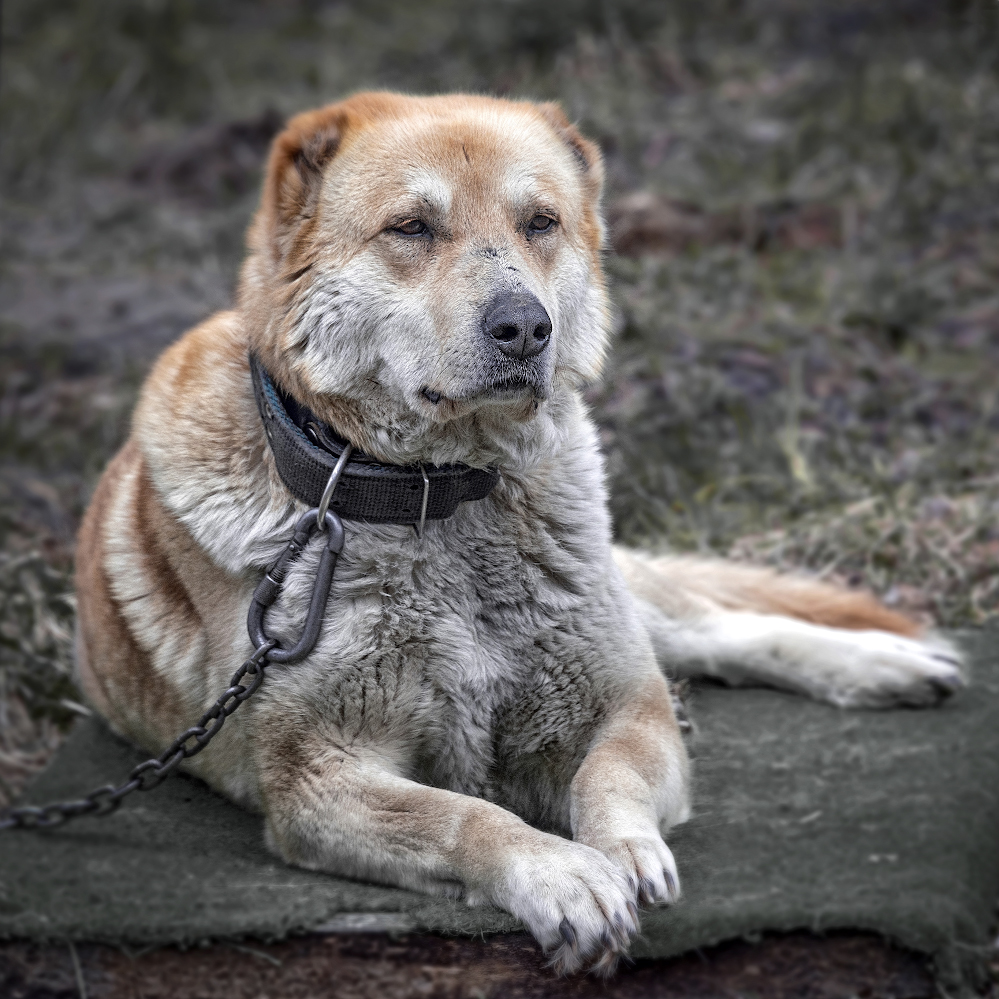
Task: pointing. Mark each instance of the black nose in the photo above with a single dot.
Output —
(518, 324)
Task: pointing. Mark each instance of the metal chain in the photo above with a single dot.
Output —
(152, 773)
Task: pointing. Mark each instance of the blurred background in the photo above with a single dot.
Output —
(804, 256)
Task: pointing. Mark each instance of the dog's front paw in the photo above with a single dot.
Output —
(881, 670)
(578, 904)
(649, 864)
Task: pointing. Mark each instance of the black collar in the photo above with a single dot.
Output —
(305, 451)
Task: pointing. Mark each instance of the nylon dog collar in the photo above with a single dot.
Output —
(367, 490)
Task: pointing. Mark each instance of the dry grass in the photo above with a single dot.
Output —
(934, 557)
(37, 697)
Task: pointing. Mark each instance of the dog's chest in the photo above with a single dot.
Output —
(443, 646)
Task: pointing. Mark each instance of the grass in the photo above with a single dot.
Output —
(804, 201)
(37, 699)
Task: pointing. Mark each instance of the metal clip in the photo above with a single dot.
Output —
(270, 586)
(318, 520)
(324, 502)
(423, 505)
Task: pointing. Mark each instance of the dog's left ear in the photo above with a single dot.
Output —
(587, 153)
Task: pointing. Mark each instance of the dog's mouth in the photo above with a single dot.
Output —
(506, 390)
(510, 387)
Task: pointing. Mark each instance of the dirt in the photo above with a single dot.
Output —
(376, 966)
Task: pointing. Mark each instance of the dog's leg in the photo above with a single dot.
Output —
(851, 669)
(348, 812)
(846, 668)
(744, 625)
(631, 787)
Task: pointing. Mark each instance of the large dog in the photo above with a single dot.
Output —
(424, 281)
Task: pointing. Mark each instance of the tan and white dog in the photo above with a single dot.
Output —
(425, 276)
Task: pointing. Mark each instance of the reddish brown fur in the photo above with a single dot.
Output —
(816, 603)
(125, 677)
(746, 588)
(680, 584)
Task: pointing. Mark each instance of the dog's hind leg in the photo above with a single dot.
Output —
(745, 625)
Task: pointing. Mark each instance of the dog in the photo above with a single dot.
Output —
(485, 713)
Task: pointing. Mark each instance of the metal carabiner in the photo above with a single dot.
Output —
(270, 586)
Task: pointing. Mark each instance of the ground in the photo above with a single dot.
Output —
(804, 251)
(378, 966)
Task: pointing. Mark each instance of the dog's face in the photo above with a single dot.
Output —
(433, 257)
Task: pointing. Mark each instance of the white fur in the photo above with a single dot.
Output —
(851, 669)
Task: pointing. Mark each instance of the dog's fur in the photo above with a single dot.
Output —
(477, 691)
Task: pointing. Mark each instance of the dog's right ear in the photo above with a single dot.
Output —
(294, 178)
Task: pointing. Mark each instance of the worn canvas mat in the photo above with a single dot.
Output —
(805, 817)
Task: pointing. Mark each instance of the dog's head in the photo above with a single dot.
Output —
(418, 263)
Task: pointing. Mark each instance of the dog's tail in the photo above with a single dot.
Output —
(684, 587)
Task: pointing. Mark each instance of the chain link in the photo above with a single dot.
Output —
(151, 773)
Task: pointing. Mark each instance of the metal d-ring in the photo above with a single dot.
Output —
(324, 502)
(423, 505)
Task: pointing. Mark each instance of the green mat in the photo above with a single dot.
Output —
(805, 817)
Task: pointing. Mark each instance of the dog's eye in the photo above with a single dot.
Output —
(411, 227)
(541, 223)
